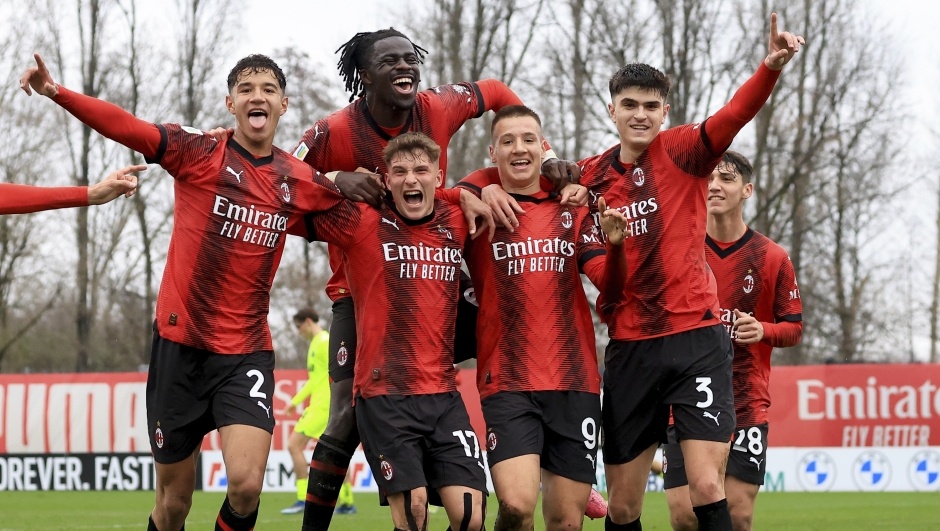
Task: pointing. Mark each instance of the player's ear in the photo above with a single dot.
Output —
(365, 77)
(440, 178)
(665, 111)
(283, 105)
(610, 111)
(230, 104)
(492, 154)
(748, 190)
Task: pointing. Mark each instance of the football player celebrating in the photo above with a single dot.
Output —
(26, 199)
(761, 309)
(212, 363)
(403, 263)
(667, 346)
(382, 70)
(536, 363)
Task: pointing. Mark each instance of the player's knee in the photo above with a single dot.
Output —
(570, 520)
(683, 521)
(512, 516)
(296, 443)
(705, 489)
(342, 420)
(175, 505)
(741, 520)
(623, 510)
(244, 489)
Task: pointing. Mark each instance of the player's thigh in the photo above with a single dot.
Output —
(464, 507)
(513, 426)
(571, 421)
(705, 469)
(297, 442)
(563, 501)
(516, 482)
(178, 408)
(176, 480)
(341, 423)
(741, 497)
(700, 392)
(393, 441)
(454, 455)
(634, 416)
(681, 516)
(245, 454)
(243, 394)
(343, 340)
(626, 485)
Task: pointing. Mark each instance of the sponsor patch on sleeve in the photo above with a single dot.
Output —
(191, 130)
(301, 151)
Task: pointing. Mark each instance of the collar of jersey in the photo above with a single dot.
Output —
(410, 222)
(376, 127)
(725, 253)
(615, 161)
(256, 162)
(536, 198)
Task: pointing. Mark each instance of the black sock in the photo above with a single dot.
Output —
(609, 525)
(229, 520)
(153, 527)
(714, 516)
(328, 467)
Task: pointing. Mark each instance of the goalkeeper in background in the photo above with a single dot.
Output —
(314, 417)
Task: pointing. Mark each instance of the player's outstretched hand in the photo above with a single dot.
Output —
(220, 134)
(574, 195)
(361, 186)
(117, 183)
(747, 329)
(613, 223)
(38, 78)
(561, 172)
(474, 209)
(505, 208)
(783, 46)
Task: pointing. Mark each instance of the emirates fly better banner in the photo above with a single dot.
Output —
(832, 427)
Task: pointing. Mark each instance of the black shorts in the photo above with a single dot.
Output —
(420, 441)
(343, 340)
(191, 392)
(558, 426)
(690, 371)
(465, 340)
(747, 460)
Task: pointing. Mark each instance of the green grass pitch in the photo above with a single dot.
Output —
(47, 511)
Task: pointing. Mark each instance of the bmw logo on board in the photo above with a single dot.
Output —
(816, 471)
(924, 470)
(871, 471)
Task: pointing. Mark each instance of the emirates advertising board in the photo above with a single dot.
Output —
(832, 428)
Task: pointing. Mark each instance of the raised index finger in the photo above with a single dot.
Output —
(773, 25)
(40, 63)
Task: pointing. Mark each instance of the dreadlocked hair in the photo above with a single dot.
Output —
(355, 53)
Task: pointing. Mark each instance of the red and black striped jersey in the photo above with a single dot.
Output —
(405, 276)
(350, 138)
(231, 214)
(662, 195)
(755, 276)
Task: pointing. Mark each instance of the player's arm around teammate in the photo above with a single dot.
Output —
(26, 199)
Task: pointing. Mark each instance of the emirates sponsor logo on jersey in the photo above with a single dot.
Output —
(727, 318)
(425, 262)
(636, 214)
(249, 224)
(549, 254)
(749, 282)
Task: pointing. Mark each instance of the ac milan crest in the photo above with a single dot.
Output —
(638, 176)
(387, 471)
(748, 282)
(158, 438)
(491, 442)
(342, 355)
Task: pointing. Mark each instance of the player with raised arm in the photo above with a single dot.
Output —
(381, 70)
(667, 346)
(403, 263)
(26, 199)
(313, 418)
(536, 355)
(761, 309)
(212, 360)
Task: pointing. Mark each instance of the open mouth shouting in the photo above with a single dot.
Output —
(404, 85)
(257, 118)
(413, 198)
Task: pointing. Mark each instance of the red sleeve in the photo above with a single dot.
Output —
(112, 122)
(23, 199)
(450, 195)
(609, 276)
(721, 127)
(785, 334)
(480, 179)
(496, 95)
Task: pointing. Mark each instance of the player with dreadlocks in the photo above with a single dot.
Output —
(381, 70)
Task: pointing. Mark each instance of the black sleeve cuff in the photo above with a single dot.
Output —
(586, 257)
(481, 105)
(162, 149)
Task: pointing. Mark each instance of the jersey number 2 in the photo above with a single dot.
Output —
(255, 393)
